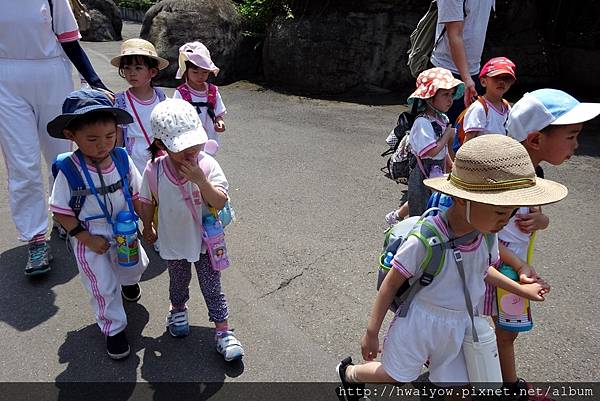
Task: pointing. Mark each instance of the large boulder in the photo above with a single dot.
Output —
(106, 23)
(216, 23)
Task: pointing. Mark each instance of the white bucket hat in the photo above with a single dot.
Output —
(176, 123)
(543, 107)
(197, 54)
(496, 170)
(139, 47)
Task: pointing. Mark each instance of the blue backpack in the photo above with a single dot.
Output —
(79, 190)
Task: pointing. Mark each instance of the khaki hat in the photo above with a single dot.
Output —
(496, 170)
(139, 47)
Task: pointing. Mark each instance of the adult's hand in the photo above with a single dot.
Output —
(470, 92)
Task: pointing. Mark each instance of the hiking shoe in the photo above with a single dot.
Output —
(131, 293)
(392, 217)
(348, 391)
(117, 346)
(39, 258)
(177, 323)
(229, 346)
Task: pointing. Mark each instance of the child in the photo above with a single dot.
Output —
(490, 113)
(485, 189)
(429, 136)
(547, 123)
(185, 183)
(195, 66)
(90, 121)
(138, 63)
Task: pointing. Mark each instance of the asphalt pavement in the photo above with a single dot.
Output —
(309, 199)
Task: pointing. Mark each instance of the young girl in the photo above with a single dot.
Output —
(185, 183)
(429, 137)
(138, 63)
(195, 66)
(491, 175)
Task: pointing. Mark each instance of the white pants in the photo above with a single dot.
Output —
(102, 277)
(31, 94)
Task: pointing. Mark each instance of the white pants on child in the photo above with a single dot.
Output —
(31, 94)
(102, 277)
(428, 332)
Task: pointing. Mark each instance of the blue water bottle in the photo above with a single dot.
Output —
(214, 238)
(128, 248)
(514, 312)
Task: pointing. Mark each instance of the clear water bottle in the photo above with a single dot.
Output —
(214, 238)
(128, 247)
(514, 312)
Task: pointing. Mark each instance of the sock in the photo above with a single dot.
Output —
(221, 330)
(37, 239)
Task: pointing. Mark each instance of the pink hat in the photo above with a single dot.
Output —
(429, 81)
(197, 54)
(498, 66)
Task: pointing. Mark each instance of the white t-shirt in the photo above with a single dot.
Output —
(492, 122)
(28, 32)
(180, 234)
(207, 122)
(61, 195)
(446, 289)
(423, 137)
(474, 31)
(517, 240)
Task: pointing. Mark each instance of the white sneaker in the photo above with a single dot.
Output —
(229, 346)
(392, 217)
(177, 323)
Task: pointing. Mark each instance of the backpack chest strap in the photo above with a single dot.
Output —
(109, 189)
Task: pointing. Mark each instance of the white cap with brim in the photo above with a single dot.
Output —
(538, 109)
(176, 123)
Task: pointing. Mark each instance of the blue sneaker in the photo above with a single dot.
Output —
(229, 346)
(177, 323)
(38, 260)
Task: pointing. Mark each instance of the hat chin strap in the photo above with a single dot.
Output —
(429, 103)
(468, 212)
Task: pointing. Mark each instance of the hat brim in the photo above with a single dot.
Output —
(459, 85)
(185, 140)
(581, 113)
(162, 63)
(543, 192)
(55, 127)
(496, 73)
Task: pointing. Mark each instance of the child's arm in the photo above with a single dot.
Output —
(96, 243)
(533, 221)
(146, 213)
(533, 291)
(219, 124)
(211, 194)
(445, 140)
(385, 296)
(470, 135)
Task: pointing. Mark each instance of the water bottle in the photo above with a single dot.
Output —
(435, 171)
(214, 238)
(128, 248)
(83, 84)
(514, 312)
(481, 358)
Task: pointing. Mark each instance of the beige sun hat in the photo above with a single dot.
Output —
(496, 170)
(139, 47)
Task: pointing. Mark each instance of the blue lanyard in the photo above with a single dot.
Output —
(94, 191)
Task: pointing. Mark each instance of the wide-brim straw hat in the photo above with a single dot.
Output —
(139, 47)
(496, 170)
(429, 81)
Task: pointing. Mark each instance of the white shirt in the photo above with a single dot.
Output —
(492, 122)
(423, 137)
(207, 122)
(446, 289)
(28, 32)
(474, 31)
(517, 240)
(180, 234)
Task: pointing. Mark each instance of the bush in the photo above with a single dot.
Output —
(136, 4)
(260, 13)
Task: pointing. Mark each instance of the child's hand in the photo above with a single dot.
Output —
(535, 291)
(535, 220)
(527, 274)
(97, 244)
(149, 235)
(369, 345)
(220, 126)
(192, 172)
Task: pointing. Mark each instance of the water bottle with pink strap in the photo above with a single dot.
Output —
(214, 238)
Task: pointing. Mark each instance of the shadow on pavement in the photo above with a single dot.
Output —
(156, 267)
(20, 292)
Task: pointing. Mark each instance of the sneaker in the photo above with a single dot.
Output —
(177, 323)
(117, 346)
(156, 246)
(348, 391)
(131, 293)
(229, 346)
(39, 258)
(392, 217)
(524, 391)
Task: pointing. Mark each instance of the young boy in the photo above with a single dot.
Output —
(490, 113)
(90, 120)
(547, 123)
(485, 189)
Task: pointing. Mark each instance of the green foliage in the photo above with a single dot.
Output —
(260, 13)
(136, 4)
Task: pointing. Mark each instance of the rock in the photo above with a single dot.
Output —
(106, 23)
(216, 23)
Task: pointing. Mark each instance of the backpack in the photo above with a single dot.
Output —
(79, 190)
(422, 40)
(211, 99)
(433, 263)
(121, 103)
(459, 138)
(396, 167)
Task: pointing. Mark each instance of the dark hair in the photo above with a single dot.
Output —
(188, 65)
(154, 149)
(136, 59)
(91, 118)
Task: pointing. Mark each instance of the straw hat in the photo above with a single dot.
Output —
(139, 47)
(429, 81)
(496, 170)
